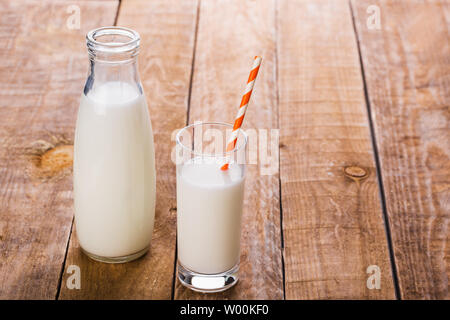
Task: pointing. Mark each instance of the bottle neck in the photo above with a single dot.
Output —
(101, 73)
(113, 55)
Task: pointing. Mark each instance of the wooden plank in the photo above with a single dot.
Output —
(332, 218)
(167, 32)
(42, 67)
(223, 59)
(407, 71)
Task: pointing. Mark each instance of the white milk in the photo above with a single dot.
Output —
(114, 172)
(209, 203)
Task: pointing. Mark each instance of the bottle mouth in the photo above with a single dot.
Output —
(113, 44)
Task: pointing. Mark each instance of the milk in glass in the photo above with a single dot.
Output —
(209, 224)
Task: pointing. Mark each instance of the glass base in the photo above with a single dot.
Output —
(208, 283)
(122, 259)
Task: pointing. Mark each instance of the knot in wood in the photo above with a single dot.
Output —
(50, 162)
(173, 210)
(355, 172)
(57, 158)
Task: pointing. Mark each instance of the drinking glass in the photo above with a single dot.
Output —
(209, 205)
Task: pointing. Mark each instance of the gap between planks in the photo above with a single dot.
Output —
(201, 63)
(63, 267)
(174, 280)
(377, 163)
(277, 99)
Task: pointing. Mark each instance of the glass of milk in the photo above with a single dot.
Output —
(209, 206)
(114, 161)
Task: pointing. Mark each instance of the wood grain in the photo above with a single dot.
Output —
(332, 218)
(42, 67)
(167, 32)
(407, 71)
(309, 86)
(224, 57)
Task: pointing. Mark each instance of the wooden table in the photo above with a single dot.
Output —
(361, 184)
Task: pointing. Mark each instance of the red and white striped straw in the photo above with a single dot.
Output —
(243, 107)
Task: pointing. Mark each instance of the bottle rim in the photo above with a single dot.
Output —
(127, 40)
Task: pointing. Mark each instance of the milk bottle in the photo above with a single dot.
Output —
(114, 166)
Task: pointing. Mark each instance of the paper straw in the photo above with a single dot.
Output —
(243, 107)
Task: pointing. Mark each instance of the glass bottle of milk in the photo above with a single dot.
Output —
(114, 161)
